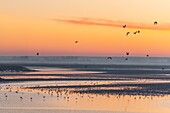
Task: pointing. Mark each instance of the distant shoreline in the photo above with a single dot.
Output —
(100, 60)
(13, 68)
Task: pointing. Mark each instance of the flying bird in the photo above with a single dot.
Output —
(124, 26)
(127, 33)
(109, 58)
(127, 53)
(76, 41)
(155, 23)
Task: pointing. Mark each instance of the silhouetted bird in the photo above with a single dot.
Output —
(135, 32)
(76, 41)
(21, 98)
(124, 26)
(138, 31)
(127, 53)
(147, 55)
(126, 58)
(37, 54)
(109, 58)
(127, 33)
(155, 23)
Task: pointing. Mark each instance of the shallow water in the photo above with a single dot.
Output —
(84, 60)
(59, 71)
(65, 101)
(79, 103)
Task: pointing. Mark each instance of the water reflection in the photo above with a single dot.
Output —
(69, 95)
(66, 99)
(59, 71)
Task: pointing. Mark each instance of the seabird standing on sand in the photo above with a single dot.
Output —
(124, 26)
(127, 33)
(135, 32)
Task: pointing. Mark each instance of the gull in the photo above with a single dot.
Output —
(124, 26)
(135, 32)
(127, 53)
(21, 98)
(76, 41)
(109, 58)
(155, 23)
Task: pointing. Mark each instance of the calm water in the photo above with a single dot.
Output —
(19, 100)
(84, 60)
(78, 103)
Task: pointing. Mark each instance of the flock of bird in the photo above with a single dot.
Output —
(155, 23)
(64, 93)
(127, 53)
(42, 92)
(124, 26)
(138, 31)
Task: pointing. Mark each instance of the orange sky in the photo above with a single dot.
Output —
(52, 27)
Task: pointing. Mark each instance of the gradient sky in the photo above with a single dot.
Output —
(51, 27)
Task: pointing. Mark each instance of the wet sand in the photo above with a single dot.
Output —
(13, 68)
(137, 73)
(113, 81)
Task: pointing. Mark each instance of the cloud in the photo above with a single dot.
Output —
(112, 23)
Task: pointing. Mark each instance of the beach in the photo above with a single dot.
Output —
(79, 87)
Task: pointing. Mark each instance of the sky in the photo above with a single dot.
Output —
(51, 27)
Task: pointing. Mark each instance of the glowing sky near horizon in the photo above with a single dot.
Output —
(51, 27)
